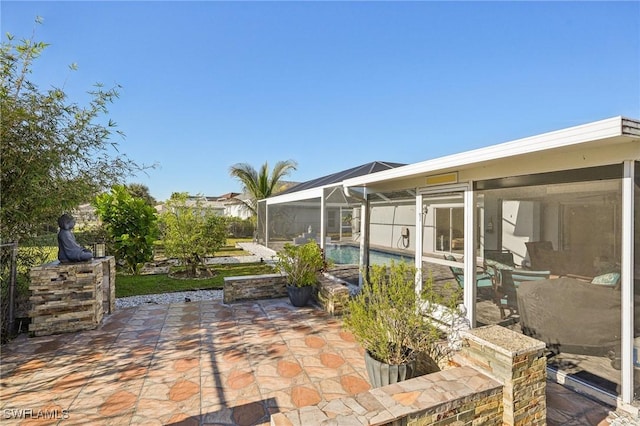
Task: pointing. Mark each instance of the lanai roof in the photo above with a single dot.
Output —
(362, 170)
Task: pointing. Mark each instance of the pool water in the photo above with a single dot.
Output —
(343, 255)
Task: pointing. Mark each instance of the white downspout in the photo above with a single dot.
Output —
(419, 243)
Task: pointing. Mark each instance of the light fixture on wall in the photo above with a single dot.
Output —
(490, 225)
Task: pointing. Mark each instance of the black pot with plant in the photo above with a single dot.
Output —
(302, 265)
(396, 325)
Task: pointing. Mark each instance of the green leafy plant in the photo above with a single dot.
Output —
(392, 321)
(131, 224)
(56, 153)
(261, 184)
(191, 231)
(301, 264)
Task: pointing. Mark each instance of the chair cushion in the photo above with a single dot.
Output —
(497, 265)
(610, 279)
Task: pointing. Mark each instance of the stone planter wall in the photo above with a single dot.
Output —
(518, 362)
(330, 294)
(68, 297)
(497, 378)
(254, 287)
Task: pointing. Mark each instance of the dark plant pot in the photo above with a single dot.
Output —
(383, 374)
(299, 296)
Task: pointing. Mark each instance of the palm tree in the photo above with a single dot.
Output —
(261, 184)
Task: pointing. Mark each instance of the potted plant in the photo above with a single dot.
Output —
(395, 325)
(301, 264)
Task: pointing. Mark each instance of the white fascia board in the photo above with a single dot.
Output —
(594, 131)
(297, 196)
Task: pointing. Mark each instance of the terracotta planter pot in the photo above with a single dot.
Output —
(299, 296)
(382, 374)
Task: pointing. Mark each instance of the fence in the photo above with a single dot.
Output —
(9, 278)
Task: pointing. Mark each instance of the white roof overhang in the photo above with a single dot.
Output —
(597, 134)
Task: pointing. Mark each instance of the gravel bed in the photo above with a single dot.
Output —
(167, 298)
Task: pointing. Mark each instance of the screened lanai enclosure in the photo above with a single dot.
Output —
(320, 210)
(541, 234)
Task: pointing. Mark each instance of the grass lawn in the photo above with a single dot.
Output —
(131, 285)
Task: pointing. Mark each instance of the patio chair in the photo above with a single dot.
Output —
(542, 256)
(503, 257)
(484, 280)
(507, 284)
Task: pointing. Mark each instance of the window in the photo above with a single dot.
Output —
(449, 235)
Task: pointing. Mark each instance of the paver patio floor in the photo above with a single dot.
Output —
(200, 363)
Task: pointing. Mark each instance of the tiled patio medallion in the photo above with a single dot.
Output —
(302, 396)
(354, 384)
(288, 369)
(331, 360)
(314, 342)
(186, 364)
(183, 389)
(347, 336)
(239, 379)
(117, 403)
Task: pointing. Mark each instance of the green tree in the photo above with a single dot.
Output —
(260, 184)
(132, 225)
(56, 154)
(138, 190)
(191, 231)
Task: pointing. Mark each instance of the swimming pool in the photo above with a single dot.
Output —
(344, 254)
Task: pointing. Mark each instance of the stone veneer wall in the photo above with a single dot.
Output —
(518, 362)
(330, 294)
(499, 379)
(67, 297)
(254, 287)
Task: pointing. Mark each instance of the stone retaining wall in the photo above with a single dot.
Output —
(498, 378)
(331, 295)
(67, 297)
(518, 362)
(254, 287)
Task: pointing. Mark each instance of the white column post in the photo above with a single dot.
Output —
(470, 254)
(627, 282)
(266, 224)
(323, 218)
(364, 239)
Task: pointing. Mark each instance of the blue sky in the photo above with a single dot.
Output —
(332, 85)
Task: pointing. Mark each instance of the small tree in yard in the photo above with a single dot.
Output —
(131, 224)
(191, 231)
(56, 153)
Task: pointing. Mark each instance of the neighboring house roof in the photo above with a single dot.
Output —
(227, 196)
(362, 170)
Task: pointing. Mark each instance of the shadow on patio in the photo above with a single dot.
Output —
(199, 363)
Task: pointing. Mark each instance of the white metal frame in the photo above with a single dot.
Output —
(627, 275)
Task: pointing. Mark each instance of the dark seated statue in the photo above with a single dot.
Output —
(68, 249)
